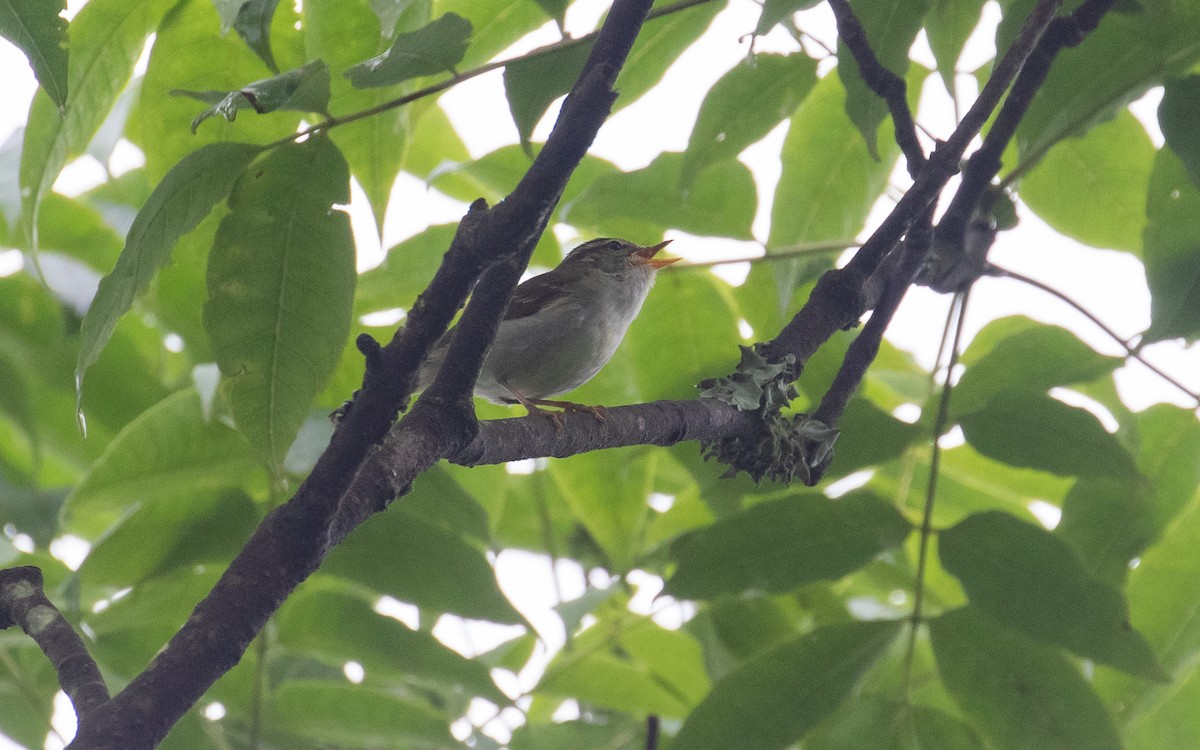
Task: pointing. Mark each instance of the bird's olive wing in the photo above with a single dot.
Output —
(533, 295)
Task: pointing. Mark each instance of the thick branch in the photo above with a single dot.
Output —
(23, 603)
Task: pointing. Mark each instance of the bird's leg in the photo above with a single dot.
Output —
(534, 406)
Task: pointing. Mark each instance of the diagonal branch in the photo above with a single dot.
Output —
(984, 164)
(23, 603)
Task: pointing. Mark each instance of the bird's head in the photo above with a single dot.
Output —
(617, 255)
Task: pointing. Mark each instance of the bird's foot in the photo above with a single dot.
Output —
(598, 412)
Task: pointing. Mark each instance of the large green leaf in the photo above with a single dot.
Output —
(721, 201)
(1020, 693)
(1172, 251)
(1177, 116)
(778, 545)
(312, 713)
(882, 723)
(39, 30)
(772, 700)
(184, 197)
(383, 646)
(744, 105)
(948, 25)
(1163, 591)
(1049, 356)
(1031, 429)
(1090, 186)
(829, 179)
(531, 85)
(303, 89)
(891, 26)
(1134, 50)
(1026, 577)
(404, 556)
(253, 25)
(342, 32)
(106, 39)
(628, 663)
(160, 124)
(435, 48)
(281, 286)
(170, 451)
(164, 535)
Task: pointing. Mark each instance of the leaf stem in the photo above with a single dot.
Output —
(457, 78)
(1130, 351)
(939, 424)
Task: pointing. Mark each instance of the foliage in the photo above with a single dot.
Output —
(218, 341)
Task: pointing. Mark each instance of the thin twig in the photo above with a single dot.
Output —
(1131, 351)
(466, 75)
(939, 424)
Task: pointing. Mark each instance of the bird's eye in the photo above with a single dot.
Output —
(614, 245)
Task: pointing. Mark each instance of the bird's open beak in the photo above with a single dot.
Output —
(646, 255)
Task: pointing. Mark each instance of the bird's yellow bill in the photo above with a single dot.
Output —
(647, 255)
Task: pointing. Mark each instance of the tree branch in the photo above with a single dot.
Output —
(886, 84)
(23, 603)
(985, 163)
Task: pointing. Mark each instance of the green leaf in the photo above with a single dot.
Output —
(1020, 693)
(405, 271)
(948, 26)
(533, 83)
(384, 646)
(1172, 251)
(281, 286)
(253, 25)
(342, 32)
(322, 714)
(721, 201)
(772, 700)
(778, 545)
(170, 451)
(1178, 114)
(38, 29)
(183, 198)
(106, 39)
(829, 180)
(1026, 577)
(1135, 50)
(163, 536)
(1031, 429)
(1108, 523)
(305, 89)
(614, 733)
(659, 44)
(1162, 596)
(776, 11)
(497, 24)
(406, 557)
(883, 723)
(436, 48)
(891, 27)
(159, 124)
(1090, 186)
(1049, 356)
(744, 105)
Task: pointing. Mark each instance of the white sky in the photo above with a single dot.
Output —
(1112, 287)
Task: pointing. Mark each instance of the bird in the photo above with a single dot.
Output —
(562, 326)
